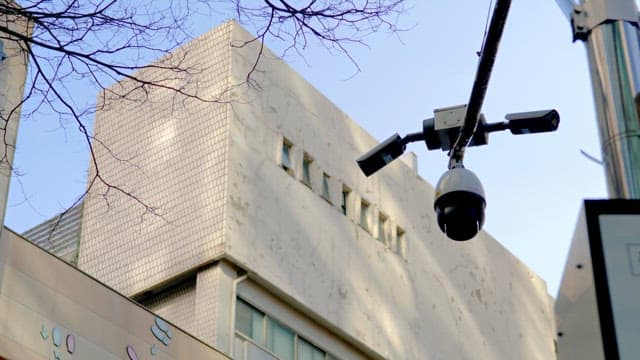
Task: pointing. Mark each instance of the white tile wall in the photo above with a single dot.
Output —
(170, 153)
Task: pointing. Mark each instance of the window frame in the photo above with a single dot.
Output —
(305, 177)
(383, 229)
(263, 345)
(365, 209)
(401, 242)
(325, 191)
(344, 202)
(286, 159)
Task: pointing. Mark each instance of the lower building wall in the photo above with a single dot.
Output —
(200, 302)
(207, 302)
(50, 310)
(177, 303)
(297, 322)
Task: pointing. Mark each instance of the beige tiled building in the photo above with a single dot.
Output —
(50, 310)
(268, 242)
(59, 235)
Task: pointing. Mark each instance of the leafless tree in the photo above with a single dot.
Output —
(335, 25)
(90, 44)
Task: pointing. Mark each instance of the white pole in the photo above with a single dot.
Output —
(610, 31)
(13, 69)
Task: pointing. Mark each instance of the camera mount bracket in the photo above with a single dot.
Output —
(585, 17)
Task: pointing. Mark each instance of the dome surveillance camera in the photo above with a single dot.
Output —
(459, 204)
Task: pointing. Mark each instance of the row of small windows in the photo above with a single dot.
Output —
(307, 160)
(261, 337)
(392, 236)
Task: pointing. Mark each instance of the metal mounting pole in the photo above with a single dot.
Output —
(483, 74)
(610, 31)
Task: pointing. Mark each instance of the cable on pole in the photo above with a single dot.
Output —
(481, 83)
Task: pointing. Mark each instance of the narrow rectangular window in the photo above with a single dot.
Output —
(346, 192)
(286, 156)
(306, 169)
(260, 336)
(364, 214)
(382, 228)
(250, 321)
(325, 186)
(400, 242)
(308, 351)
(280, 340)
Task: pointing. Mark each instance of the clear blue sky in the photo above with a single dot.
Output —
(534, 184)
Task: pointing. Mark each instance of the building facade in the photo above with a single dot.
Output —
(247, 224)
(51, 310)
(59, 235)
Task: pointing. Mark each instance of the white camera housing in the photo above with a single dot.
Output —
(459, 204)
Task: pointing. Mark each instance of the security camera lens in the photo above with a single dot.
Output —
(460, 215)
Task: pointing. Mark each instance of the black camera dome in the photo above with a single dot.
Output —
(460, 214)
(459, 204)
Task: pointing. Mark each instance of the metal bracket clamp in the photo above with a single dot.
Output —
(588, 15)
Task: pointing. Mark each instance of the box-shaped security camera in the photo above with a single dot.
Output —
(449, 117)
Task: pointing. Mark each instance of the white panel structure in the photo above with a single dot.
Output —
(51, 310)
(620, 236)
(597, 309)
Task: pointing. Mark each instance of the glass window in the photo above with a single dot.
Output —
(364, 214)
(345, 198)
(382, 228)
(260, 337)
(306, 169)
(280, 340)
(308, 351)
(250, 321)
(325, 186)
(286, 155)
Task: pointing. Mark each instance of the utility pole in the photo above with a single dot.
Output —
(609, 29)
(13, 72)
(596, 310)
